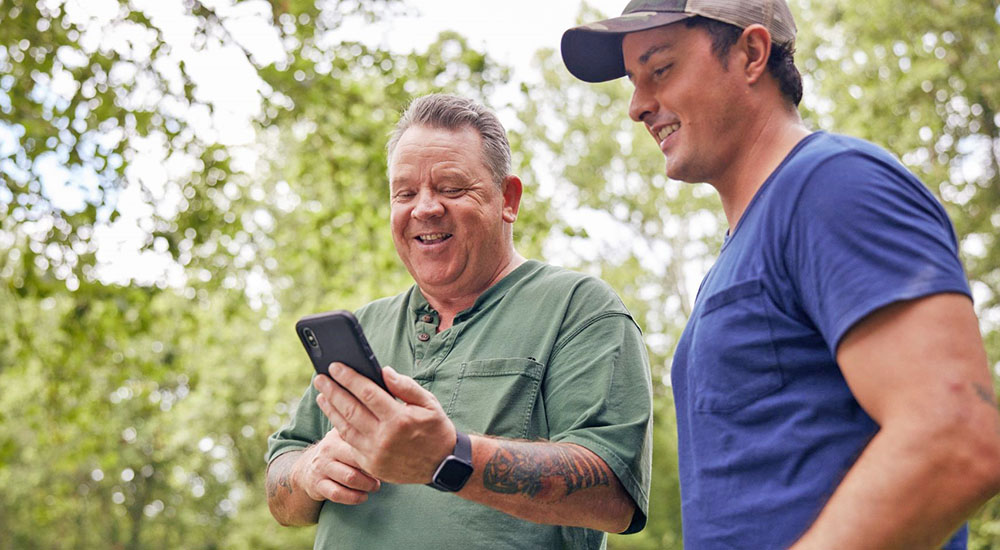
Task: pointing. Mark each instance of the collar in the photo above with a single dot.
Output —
(418, 304)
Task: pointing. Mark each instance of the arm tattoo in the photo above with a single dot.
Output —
(528, 468)
(284, 480)
(984, 393)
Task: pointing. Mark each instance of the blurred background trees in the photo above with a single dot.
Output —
(134, 405)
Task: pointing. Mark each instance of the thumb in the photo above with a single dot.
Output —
(406, 389)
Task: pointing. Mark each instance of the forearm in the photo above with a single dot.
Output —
(552, 483)
(905, 492)
(289, 503)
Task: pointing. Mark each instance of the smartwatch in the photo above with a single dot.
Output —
(456, 468)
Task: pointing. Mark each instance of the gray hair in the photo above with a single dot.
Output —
(451, 112)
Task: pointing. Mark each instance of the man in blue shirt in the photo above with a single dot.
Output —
(832, 389)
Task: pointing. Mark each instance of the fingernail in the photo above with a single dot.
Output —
(389, 371)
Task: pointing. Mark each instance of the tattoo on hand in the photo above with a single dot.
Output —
(521, 468)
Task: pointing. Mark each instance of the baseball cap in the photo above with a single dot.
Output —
(593, 52)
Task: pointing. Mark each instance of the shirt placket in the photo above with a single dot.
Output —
(424, 330)
(430, 347)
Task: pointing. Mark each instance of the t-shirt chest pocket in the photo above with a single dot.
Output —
(496, 396)
(733, 360)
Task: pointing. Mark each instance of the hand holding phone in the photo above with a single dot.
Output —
(337, 336)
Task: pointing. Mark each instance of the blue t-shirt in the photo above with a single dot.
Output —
(767, 426)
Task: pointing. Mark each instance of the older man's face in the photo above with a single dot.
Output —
(450, 221)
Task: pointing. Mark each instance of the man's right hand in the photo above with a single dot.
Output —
(328, 471)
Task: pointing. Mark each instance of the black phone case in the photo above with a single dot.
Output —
(337, 336)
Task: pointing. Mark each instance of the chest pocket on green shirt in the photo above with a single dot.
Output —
(496, 396)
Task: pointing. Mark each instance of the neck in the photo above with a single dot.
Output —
(770, 140)
(448, 304)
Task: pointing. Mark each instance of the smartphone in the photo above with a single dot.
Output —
(337, 336)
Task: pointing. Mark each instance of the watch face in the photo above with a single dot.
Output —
(453, 474)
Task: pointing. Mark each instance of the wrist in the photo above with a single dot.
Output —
(298, 468)
(452, 473)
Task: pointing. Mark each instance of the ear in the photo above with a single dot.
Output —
(511, 198)
(755, 44)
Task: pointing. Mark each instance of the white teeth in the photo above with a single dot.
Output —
(667, 130)
(433, 237)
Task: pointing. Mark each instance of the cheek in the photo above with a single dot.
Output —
(397, 218)
(397, 227)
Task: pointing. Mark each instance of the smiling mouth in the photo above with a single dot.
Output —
(433, 238)
(666, 131)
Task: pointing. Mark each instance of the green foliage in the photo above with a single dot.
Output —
(135, 416)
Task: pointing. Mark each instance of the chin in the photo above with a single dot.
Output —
(432, 278)
(679, 173)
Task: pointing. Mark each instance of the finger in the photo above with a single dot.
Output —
(351, 436)
(407, 389)
(334, 449)
(352, 478)
(333, 491)
(348, 434)
(349, 458)
(353, 411)
(324, 405)
(380, 403)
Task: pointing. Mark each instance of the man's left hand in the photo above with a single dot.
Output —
(398, 441)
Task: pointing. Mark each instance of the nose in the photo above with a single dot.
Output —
(643, 103)
(428, 206)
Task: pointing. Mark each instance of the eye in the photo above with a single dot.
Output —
(402, 195)
(660, 71)
(452, 191)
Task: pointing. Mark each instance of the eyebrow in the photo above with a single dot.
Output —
(653, 50)
(644, 58)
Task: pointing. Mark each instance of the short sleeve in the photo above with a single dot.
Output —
(598, 395)
(306, 426)
(865, 234)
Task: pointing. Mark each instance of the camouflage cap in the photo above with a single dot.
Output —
(593, 52)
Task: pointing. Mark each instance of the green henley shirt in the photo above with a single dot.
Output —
(544, 354)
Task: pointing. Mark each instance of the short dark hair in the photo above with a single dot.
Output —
(780, 63)
(452, 112)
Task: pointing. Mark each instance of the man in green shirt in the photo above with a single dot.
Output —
(543, 368)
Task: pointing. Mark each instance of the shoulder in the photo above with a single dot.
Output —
(578, 300)
(823, 155)
(834, 172)
(574, 285)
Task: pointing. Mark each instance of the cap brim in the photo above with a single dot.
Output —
(593, 52)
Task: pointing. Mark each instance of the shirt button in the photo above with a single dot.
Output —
(427, 318)
(423, 337)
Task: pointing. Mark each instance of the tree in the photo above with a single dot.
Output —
(135, 416)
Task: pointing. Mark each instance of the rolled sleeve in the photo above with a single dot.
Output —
(307, 426)
(598, 395)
